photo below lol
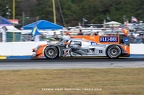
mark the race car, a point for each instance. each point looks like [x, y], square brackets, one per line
[109, 46]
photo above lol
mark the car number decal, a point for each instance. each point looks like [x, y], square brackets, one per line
[66, 52]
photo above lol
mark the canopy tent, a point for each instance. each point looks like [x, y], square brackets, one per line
[113, 24]
[8, 25]
[10, 28]
[9, 33]
[42, 25]
[4, 21]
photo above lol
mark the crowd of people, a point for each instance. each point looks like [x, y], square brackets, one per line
[137, 38]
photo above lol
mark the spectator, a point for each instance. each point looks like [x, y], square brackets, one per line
[80, 32]
[139, 39]
[66, 36]
[94, 34]
[98, 33]
[56, 36]
[143, 38]
[0, 39]
[135, 34]
[117, 33]
[37, 38]
[132, 38]
[102, 32]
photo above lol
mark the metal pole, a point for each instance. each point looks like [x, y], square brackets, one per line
[23, 18]
[13, 17]
[124, 19]
[61, 13]
[54, 13]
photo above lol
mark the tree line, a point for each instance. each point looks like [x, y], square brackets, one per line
[72, 12]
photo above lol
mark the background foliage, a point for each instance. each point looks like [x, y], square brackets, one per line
[72, 11]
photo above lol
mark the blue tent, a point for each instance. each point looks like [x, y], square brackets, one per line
[43, 25]
[4, 21]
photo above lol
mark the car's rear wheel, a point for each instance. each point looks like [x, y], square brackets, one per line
[113, 51]
[51, 52]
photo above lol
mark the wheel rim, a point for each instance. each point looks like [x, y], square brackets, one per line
[51, 53]
[114, 52]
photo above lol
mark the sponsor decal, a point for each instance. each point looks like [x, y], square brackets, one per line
[126, 40]
[93, 43]
[66, 52]
[108, 39]
[91, 37]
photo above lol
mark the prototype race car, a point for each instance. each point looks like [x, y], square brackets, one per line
[109, 46]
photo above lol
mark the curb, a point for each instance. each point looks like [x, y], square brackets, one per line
[18, 57]
[3, 57]
[136, 56]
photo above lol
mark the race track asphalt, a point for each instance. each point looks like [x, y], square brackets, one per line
[70, 63]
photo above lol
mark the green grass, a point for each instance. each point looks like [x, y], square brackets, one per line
[114, 81]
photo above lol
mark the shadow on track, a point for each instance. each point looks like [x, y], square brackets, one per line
[73, 60]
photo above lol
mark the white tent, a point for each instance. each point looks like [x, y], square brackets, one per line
[113, 24]
[10, 28]
[6, 30]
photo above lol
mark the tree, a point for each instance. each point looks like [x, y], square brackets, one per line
[95, 11]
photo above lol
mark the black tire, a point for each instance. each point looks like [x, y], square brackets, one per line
[113, 51]
[51, 52]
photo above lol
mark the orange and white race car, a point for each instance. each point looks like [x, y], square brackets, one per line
[83, 45]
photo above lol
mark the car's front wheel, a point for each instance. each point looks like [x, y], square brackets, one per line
[51, 52]
[113, 51]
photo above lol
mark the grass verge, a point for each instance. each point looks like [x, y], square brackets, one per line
[112, 81]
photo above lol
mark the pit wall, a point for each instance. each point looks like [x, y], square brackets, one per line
[25, 48]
